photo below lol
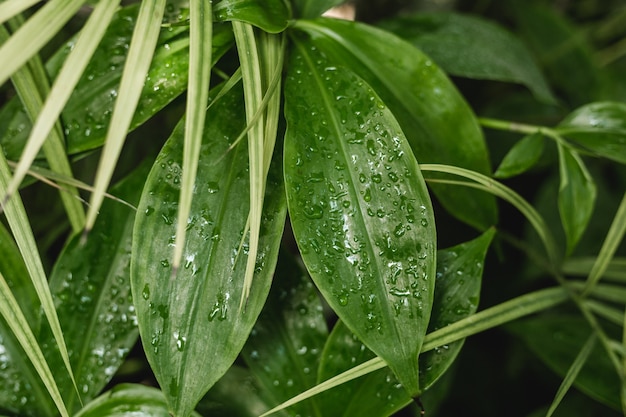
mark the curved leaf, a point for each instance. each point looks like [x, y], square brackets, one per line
[88, 111]
[421, 98]
[522, 156]
[270, 15]
[472, 47]
[599, 128]
[91, 286]
[285, 346]
[128, 400]
[188, 318]
[577, 196]
[310, 9]
[360, 210]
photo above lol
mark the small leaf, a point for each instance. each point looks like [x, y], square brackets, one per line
[577, 196]
[360, 210]
[188, 318]
[292, 323]
[522, 156]
[270, 15]
[421, 98]
[457, 291]
[457, 43]
[599, 128]
[90, 283]
[556, 340]
[128, 400]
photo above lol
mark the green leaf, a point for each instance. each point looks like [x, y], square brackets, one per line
[88, 111]
[310, 9]
[599, 128]
[421, 98]
[360, 210]
[285, 346]
[128, 400]
[457, 291]
[189, 319]
[376, 394]
[556, 340]
[21, 389]
[561, 50]
[577, 196]
[522, 156]
[29, 39]
[270, 15]
[472, 47]
[140, 52]
[91, 286]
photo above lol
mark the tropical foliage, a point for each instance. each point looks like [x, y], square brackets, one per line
[245, 208]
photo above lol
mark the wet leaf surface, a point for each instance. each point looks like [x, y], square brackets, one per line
[189, 319]
[359, 208]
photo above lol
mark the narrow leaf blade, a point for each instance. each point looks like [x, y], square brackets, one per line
[522, 156]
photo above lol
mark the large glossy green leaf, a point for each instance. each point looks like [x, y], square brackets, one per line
[88, 111]
[285, 346]
[599, 128]
[270, 15]
[556, 340]
[577, 195]
[189, 318]
[457, 290]
[436, 120]
[521, 157]
[360, 210]
[91, 286]
[472, 47]
[128, 400]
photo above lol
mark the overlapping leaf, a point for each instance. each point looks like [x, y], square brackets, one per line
[91, 286]
[472, 47]
[270, 15]
[188, 318]
[457, 290]
[285, 346]
[360, 209]
[88, 111]
[310, 9]
[599, 128]
[421, 98]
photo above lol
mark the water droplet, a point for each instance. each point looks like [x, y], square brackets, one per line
[149, 210]
[213, 187]
[367, 197]
[145, 293]
[424, 222]
[377, 178]
[313, 211]
[165, 263]
[371, 147]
